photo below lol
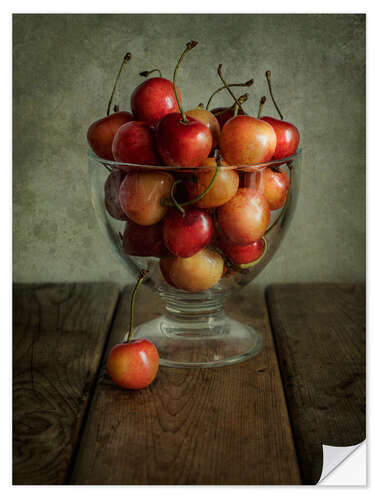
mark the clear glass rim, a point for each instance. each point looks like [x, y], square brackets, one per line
[254, 166]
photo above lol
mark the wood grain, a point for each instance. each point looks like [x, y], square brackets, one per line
[192, 426]
[59, 333]
[320, 338]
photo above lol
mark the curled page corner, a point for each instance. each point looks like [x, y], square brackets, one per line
[334, 456]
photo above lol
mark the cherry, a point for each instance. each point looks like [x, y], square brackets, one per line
[246, 140]
[224, 114]
[245, 217]
[144, 241]
[287, 134]
[164, 268]
[224, 188]
[134, 363]
[287, 137]
[186, 235]
[273, 183]
[101, 133]
[240, 255]
[182, 143]
[182, 140]
[134, 143]
[207, 118]
[193, 274]
[141, 195]
[153, 99]
[111, 193]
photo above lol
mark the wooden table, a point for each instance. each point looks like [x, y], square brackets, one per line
[259, 422]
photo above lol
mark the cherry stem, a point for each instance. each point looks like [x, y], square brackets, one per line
[268, 76]
[148, 73]
[189, 46]
[127, 58]
[261, 104]
[174, 201]
[241, 100]
[116, 109]
[141, 277]
[255, 262]
[228, 88]
[235, 112]
[246, 84]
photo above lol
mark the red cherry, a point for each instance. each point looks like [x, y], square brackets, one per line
[224, 114]
[246, 140]
[165, 268]
[287, 137]
[153, 99]
[111, 193]
[133, 365]
[186, 235]
[144, 241]
[241, 254]
[182, 143]
[134, 143]
[245, 217]
[181, 140]
[101, 133]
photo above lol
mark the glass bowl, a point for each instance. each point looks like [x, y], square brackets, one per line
[194, 329]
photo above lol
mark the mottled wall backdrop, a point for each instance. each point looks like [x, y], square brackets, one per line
[64, 67]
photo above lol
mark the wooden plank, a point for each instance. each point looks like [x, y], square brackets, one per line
[192, 426]
[320, 337]
[59, 333]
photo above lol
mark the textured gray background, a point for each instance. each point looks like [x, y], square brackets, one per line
[64, 66]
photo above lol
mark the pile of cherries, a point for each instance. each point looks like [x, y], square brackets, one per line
[206, 218]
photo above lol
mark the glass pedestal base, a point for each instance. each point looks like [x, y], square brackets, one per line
[209, 342]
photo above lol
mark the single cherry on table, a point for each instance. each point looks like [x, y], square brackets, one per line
[133, 364]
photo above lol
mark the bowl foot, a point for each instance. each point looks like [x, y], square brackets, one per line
[215, 341]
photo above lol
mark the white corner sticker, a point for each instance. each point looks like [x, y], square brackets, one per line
[354, 474]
